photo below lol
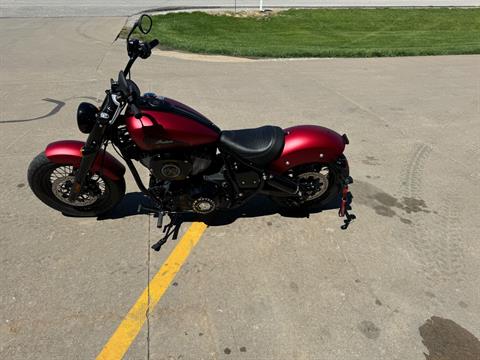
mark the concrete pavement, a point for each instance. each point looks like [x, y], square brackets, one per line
[261, 286]
[56, 8]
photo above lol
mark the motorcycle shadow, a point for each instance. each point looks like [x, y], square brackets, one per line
[133, 204]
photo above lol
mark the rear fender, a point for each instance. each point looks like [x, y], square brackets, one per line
[70, 152]
[307, 144]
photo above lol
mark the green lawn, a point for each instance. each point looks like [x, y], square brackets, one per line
[324, 33]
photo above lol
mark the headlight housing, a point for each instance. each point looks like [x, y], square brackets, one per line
[86, 117]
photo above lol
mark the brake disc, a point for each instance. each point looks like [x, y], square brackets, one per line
[315, 182]
[61, 187]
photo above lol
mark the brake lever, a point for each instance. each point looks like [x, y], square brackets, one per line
[152, 44]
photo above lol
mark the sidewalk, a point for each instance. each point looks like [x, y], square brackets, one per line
[56, 8]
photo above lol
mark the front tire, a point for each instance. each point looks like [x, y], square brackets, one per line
[50, 183]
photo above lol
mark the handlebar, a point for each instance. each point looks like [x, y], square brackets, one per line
[136, 48]
[127, 92]
[153, 43]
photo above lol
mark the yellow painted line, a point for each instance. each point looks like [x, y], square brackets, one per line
[131, 325]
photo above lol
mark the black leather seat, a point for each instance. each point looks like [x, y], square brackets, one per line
[259, 146]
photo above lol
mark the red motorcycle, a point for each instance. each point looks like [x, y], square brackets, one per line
[194, 166]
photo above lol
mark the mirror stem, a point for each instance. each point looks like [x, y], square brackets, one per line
[132, 30]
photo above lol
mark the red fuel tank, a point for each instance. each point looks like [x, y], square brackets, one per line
[169, 124]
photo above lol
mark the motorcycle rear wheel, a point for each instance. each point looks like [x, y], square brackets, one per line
[327, 191]
[50, 182]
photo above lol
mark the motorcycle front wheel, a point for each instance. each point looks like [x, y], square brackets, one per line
[51, 183]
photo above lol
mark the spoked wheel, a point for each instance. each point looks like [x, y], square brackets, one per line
[52, 183]
[318, 183]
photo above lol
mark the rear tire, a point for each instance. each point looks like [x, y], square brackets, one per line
[103, 197]
[322, 201]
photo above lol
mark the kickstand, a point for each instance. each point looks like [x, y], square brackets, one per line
[170, 230]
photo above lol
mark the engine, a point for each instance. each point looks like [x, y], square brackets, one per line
[177, 166]
[187, 182]
[197, 194]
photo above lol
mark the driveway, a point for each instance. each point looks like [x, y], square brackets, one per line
[400, 282]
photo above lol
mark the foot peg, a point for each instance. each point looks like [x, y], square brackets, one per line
[147, 210]
[161, 214]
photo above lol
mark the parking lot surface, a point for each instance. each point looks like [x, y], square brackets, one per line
[400, 282]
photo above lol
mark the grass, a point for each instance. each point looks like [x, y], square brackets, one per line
[323, 33]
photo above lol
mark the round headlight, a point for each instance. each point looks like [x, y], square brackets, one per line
[86, 117]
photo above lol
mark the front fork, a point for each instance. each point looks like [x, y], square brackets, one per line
[109, 112]
[89, 154]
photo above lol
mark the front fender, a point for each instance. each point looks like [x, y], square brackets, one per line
[308, 144]
[70, 152]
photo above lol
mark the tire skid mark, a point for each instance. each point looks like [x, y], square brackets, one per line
[412, 187]
[436, 238]
[58, 106]
[414, 170]
[416, 234]
[446, 251]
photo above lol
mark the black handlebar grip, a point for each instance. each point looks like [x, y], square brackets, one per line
[153, 43]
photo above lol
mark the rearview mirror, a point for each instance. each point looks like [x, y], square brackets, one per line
[145, 24]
